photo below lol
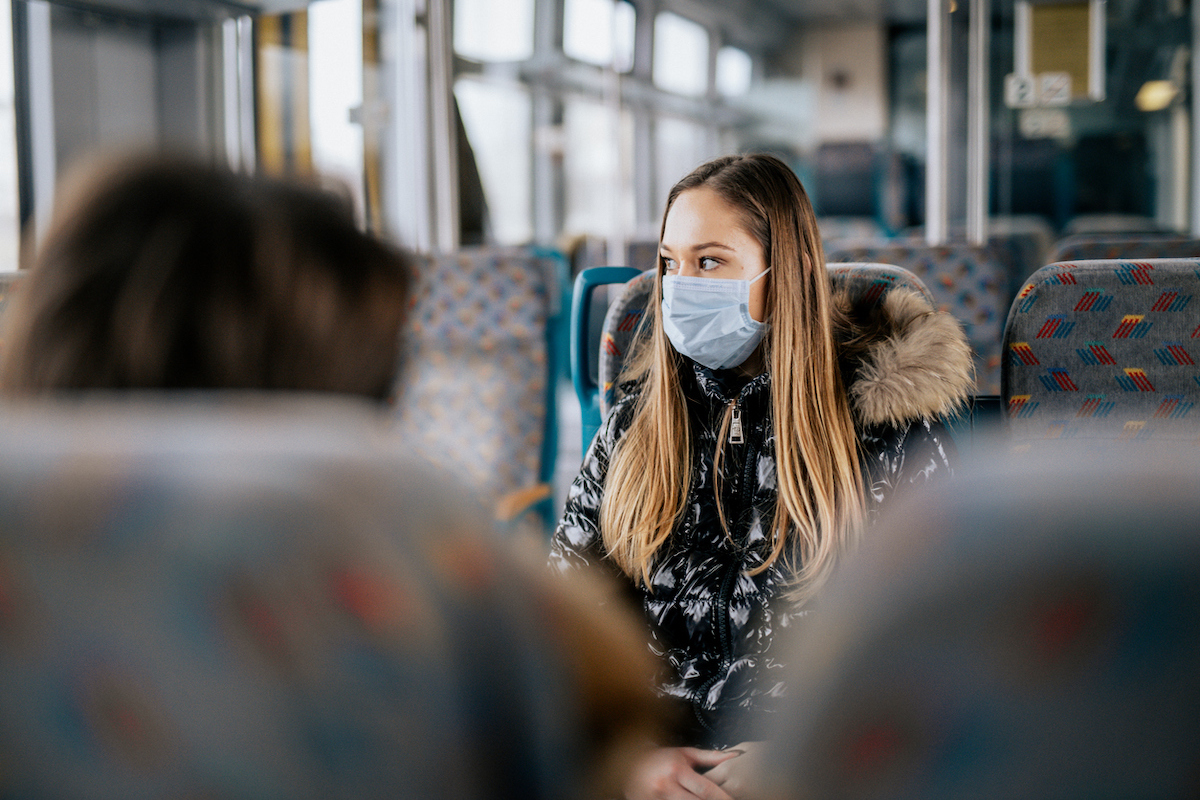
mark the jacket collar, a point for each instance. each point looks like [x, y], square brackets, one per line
[914, 364]
[725, 385]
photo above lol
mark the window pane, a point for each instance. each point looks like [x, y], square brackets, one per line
[680, 55]
[9, 224]
[624, 25]
[600, 32]
[682, 146]
[734, 71]
[599, 190]
[335, 83]
[486, 30]
[497, 121]
[588, 30]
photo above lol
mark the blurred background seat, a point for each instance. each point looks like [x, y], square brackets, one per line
[1104, 350]
[1091, 246]
[1107, 223]
[968, 281]
[487, 347]
[1028, 630]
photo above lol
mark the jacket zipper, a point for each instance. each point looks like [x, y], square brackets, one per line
[723, 601]
[725, 598]
[735, 427]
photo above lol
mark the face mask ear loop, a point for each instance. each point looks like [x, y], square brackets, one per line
[759, 275]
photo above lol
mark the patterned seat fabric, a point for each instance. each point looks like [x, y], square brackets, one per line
[475, 389]
[1105, 349]
[621, 332]
[625, 314]
[967, 281]
[261, 599]
[870, 283]
[1030, 629]
[1089, 247]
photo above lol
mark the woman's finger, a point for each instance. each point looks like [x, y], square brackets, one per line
[707, 758]
[702, 787]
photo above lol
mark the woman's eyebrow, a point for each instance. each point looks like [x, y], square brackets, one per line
[664, 249]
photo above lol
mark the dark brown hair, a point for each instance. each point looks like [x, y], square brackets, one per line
[164, 273]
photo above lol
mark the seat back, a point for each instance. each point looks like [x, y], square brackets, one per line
[1089, 247]
[965, 280]
[587, 329]
[1028, 630]
[854, 228]
[1110, 224]
[1104, 350]
[486, 347]
[251, 598]
[623, 323]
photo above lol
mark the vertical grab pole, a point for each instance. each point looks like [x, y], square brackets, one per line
[978, 122]
[1195, 120]
[937, 122]
[443, 136]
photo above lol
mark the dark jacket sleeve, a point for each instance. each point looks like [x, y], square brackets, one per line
[897, 460]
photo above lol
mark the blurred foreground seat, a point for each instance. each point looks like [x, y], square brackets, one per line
[255, 598]
[1032, 630]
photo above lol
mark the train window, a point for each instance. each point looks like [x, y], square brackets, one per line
[485, 30]
[9, 224]
[680, 55]
[599, 32]
[497, 117]
[734, 71]
[599, 187]
[681, 145]
[336, 91]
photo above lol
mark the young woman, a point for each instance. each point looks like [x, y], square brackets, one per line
[767, 421]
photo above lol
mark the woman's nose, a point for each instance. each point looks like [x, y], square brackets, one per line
[689, 269]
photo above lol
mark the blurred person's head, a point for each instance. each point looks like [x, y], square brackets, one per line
[165, 273]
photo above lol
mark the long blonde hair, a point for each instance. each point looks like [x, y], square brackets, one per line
[819, 503]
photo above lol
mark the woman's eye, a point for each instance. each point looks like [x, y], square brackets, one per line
[669, 264]
[707, 263]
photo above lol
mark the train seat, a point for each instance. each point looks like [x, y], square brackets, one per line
[486, 347]
[1104, 350]
[1030, 629]
[252, 597]
[1090, 246]
[855, 228]
[622, 328]
[968, 281]
[1110, 223]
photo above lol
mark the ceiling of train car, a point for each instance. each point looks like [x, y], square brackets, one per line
[851, 10]
[184, 9]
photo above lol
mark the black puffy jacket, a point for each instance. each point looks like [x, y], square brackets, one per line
[711, 623]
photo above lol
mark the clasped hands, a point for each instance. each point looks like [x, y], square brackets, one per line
[688, 773]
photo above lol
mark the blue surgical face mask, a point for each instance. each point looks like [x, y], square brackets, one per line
[708, 319]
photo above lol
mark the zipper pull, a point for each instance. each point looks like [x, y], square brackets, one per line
[735, 426]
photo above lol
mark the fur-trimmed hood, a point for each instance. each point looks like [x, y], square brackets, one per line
[903, 360]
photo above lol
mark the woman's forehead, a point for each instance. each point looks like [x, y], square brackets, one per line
[702, 216]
